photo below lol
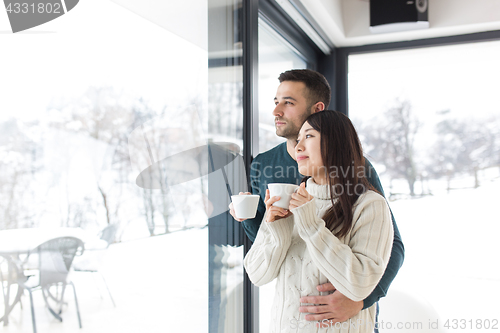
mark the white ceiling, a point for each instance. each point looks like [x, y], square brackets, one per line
[346, 22]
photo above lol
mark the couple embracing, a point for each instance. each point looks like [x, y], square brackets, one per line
[336, 249]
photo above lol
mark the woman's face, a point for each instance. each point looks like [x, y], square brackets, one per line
[308, 154]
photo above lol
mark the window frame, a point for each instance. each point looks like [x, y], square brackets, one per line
[270, 12]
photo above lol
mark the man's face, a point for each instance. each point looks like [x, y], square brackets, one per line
[291, 109]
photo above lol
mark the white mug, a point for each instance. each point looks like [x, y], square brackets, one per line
[245, 206]
[284, 191]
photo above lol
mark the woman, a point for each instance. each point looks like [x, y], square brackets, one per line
[336, 230]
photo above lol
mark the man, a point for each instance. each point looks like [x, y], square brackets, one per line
[301, 93]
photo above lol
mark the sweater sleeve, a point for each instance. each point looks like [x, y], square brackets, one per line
[268, 252]
[355, 268]
[397, 252]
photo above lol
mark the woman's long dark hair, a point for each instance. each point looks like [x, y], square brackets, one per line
[344, 163]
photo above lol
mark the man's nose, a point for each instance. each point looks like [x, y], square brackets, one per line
[278, 112]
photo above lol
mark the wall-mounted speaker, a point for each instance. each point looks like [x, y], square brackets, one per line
[398, 15]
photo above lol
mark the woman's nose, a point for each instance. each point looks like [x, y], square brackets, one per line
[299, 147]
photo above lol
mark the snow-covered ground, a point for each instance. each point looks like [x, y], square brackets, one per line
[452, 248]
[160, 284]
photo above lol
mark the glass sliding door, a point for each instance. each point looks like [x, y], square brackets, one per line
[225, 135]
[429, 121]
[136, 125]
[276, 55]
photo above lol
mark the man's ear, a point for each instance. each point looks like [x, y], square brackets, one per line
[320, 106]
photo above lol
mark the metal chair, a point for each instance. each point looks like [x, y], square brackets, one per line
[91, 260]
[11, 281]
[54, 262]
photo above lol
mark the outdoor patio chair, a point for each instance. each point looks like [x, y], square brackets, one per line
[54, 262]
[11, 281]
[91, 260]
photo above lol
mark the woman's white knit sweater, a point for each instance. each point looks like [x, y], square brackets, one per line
[302, 253]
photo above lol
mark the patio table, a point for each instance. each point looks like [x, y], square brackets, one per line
[16, 242]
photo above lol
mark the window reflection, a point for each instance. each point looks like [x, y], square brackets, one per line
[275, 56]
[225, 128]
[83, 144]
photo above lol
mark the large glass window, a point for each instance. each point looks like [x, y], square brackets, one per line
[120, 114]
[225, 128]
[275, 56]
[429, 121]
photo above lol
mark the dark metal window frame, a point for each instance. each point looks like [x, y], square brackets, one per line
[250, 17]
[273, 15]
[341, 58]
[278, 19]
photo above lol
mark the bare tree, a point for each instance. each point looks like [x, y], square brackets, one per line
[157, 139]
[19, 165]
[465, 146]
[106, 116]
[224, 108]
[101, 113]
[391, 141]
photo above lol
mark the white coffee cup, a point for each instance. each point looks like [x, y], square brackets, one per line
[284, 191]
[245, 206]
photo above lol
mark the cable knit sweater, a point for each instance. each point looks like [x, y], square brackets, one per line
[302, 253]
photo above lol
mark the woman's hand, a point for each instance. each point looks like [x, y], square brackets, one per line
[300, 197]
[273, 212]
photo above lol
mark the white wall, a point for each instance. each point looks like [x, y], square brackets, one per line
[347, 21]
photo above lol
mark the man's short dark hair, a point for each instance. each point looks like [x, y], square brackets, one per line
[318, 89]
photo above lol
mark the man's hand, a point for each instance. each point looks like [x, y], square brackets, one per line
[333, 307]
[231, 208]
